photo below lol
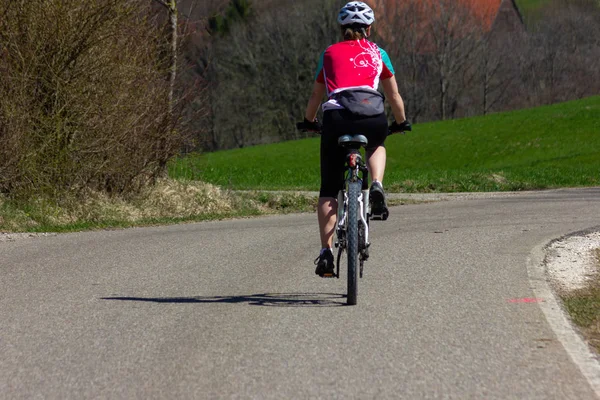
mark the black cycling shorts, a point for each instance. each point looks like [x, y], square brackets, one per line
[337, 123]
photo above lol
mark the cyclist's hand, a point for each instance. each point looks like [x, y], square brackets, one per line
[402, 127]
[309, 126]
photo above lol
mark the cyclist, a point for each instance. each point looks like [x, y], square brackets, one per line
[349, 73]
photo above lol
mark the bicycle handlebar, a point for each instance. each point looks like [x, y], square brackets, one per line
[309, 126]
[401, 128]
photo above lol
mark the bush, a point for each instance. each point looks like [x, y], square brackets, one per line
[83, 97]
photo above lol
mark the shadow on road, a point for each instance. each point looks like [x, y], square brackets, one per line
[265, 299]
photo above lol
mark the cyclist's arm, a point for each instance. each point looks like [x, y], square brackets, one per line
[315, 101]
[390, 88]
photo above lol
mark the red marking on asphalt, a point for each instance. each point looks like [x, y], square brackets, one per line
[526, 300]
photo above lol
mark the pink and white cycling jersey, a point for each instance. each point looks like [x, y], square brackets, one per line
[352, 64]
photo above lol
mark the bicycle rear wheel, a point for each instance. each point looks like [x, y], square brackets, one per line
[354, 189]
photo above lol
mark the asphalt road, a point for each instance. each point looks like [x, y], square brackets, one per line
[233, 309]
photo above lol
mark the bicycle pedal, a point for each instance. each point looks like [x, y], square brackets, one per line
[380, 217]
[331, 275]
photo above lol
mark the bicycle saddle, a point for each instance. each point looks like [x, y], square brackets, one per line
[353, 141]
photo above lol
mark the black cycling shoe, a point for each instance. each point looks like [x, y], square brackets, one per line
[324, 265]
[379, 208]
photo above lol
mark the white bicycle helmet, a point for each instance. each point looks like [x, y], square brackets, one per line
[356, 12]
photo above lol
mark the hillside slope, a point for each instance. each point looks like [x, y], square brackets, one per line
[551, 146]
[532, 10]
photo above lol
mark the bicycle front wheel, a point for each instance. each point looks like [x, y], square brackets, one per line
[354, 190]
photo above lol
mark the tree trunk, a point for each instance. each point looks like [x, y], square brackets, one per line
[172, 5]
[443, 96]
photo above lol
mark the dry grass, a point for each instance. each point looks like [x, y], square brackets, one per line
[584, 307]
[169, 201]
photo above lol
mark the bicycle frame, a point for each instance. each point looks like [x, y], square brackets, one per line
[356, 171]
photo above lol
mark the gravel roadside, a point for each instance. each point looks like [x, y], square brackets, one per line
[571, 261]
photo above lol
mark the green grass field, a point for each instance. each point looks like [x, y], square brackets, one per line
[546, 147]
[532, 10]
[527, 7]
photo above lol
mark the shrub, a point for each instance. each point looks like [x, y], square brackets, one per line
[83, 97]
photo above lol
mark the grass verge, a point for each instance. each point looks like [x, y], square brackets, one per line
[584, 308]
[168, 202]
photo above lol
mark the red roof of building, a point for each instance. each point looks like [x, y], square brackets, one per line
[483, 10]
[461, 17]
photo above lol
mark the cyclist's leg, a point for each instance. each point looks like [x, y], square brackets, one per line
[332, 176]
[327, 211]
[325, 261]
[376, 159]
[376, 129]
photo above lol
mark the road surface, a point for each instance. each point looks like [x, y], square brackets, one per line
[232, 309]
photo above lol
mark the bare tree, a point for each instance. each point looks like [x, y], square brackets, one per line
[263, 77]
[499, 69]
[454, 32]
[448, 63]
[400, 33]
[171, 6]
